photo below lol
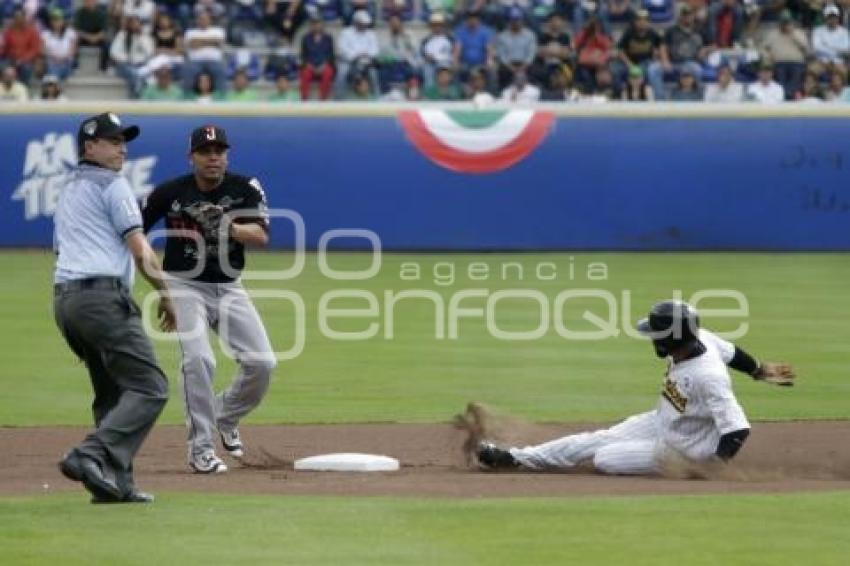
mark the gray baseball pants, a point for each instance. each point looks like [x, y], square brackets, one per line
[102, 325]
[227, 309]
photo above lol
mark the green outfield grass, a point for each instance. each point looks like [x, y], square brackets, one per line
[216, 529]
[799, 309]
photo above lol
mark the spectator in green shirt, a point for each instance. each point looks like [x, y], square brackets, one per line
[164, 89]
[444, 87]
[284, 92]
[241, 91]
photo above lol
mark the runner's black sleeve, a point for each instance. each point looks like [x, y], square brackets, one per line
[743, 362]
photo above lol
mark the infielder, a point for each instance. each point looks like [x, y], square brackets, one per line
[205, 211]
[697, 418]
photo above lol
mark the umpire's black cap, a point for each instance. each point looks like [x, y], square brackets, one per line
[105, 125]
[208, 135]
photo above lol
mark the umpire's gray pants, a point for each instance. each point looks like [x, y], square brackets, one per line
[103, 328]
[227, 309]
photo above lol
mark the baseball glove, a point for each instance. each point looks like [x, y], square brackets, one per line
[207, 216]
[776, 373]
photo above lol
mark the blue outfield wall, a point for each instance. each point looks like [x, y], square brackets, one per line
[606, 181]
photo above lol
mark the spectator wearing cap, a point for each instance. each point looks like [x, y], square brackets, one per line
[21, 45]
[131, 49]
[687, 88]
[638, 46]
[51, 89]
[554, 50]
[358, 50]
[444, 87]
[241, 90]
[60, 45]
[788, 48]
[317, 60]
[831, 41]
[636, 89]
[516, 47]
[91, 26]
[11, 89]
[399, 58]
[284, 16]
[436, 48]
[163, 89]
[474, 47]
[765, 89]
[683, 48]
[204, 52]
[726, 89]
[520, 91]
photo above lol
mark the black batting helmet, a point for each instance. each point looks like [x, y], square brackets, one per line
[671, 325]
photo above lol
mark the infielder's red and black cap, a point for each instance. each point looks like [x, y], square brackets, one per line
[208, 135]
[106, 125]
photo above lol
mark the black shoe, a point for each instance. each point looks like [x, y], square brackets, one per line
[79, 467]
[131, 497]
[70, 466]
[494, 458]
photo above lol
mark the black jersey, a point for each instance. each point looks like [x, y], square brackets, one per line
[168, 200]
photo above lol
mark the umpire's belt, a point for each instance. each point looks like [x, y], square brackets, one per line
[88, 284]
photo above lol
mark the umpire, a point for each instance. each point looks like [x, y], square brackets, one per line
[98, 237]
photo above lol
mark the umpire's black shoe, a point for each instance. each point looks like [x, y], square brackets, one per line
[130, 497]
[492, 457]
[78, 467]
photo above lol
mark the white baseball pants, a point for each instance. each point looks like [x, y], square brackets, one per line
[632, 447]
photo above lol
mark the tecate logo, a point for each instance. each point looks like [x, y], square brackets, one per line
[48, 164]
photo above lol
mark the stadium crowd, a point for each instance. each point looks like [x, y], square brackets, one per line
[485, 50]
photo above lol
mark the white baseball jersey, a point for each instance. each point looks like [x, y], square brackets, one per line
[697, 405]
[696, 408]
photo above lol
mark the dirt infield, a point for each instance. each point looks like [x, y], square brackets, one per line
[779, 457]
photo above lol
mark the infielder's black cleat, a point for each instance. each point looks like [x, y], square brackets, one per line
[492, 457]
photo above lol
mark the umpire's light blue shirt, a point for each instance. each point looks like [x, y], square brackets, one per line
[96, 212]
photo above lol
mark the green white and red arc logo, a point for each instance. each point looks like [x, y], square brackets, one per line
[476, 141]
